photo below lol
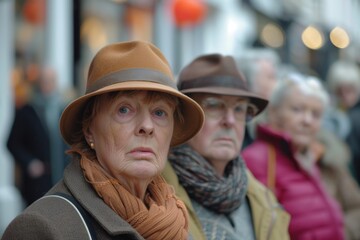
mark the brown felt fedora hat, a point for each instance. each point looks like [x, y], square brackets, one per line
[133, 65]
[217, 74]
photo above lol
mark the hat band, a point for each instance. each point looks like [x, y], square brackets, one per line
[138, 74]
[214, 81]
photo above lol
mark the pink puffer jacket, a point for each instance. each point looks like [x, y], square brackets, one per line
[314, 214]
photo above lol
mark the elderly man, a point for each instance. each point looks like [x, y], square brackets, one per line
[224, 200]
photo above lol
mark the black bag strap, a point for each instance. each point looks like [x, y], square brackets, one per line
[80, 210]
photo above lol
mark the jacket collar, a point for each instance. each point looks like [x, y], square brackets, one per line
[278, 139]
[282, 143]
[266, 133]
[89, 200]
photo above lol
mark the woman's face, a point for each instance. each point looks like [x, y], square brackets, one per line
[132, 134]
[299, 115]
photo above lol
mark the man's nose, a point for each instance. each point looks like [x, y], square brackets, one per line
[229, 118]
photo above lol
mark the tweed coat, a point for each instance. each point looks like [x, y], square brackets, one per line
[54, 218]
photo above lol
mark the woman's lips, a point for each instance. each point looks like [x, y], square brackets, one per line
[142, 152]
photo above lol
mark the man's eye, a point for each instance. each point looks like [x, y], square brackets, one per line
[240, 108]
[213, 104]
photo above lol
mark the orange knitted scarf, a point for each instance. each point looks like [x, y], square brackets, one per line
[164, 218]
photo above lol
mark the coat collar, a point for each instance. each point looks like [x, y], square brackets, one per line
[279, 140]
[94, 205]
[282, 143]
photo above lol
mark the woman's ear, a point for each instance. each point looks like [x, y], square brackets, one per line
[271, 115]
[88, 135]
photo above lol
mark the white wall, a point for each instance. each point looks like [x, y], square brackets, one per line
[59, 40]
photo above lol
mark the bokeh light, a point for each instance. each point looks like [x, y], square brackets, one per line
[93, 32]
[272, 35]
[339, 37]
[312, 37]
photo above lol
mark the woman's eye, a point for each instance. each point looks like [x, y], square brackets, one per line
[160, 113]
[124, 110]
[316, 114]
[296, 109]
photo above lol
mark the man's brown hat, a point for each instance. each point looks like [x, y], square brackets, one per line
[217, 74]
[133, 65]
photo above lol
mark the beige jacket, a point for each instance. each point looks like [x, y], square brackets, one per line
[269, 219]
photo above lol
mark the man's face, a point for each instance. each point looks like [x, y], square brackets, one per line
[220, 139]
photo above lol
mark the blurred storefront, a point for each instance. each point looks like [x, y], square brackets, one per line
[309, 34]
[65, 34]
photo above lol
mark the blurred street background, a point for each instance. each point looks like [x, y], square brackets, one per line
[46, 47]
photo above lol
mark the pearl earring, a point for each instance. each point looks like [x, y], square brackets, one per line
[91, 145]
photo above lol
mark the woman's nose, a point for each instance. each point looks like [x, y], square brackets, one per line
[308, 118]
[146, 125]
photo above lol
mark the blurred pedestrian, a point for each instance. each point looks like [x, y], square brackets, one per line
[282, 158]
[344, 83]
[225, 197]
[260, 67]
[120, 132]
[333, 156]
[28, 143]
[48, 103]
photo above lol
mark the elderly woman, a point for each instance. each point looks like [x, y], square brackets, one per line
[283, 157]
[120, 132]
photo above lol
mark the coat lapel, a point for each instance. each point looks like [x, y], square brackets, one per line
[92, 203]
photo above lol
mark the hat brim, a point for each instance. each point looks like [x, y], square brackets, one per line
[70, 121]
[259, 102]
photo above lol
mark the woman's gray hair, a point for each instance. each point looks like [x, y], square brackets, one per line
[309, 85]
[343, 72]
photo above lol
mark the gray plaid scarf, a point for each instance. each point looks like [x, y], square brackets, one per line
[219, 194]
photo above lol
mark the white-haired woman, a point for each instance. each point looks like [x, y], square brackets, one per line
[283, 158]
